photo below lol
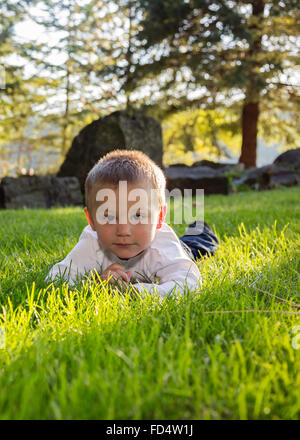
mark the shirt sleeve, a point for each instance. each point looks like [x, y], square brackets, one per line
[175, 273]
[83, 258]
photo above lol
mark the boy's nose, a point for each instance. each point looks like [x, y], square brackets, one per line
[123, 229]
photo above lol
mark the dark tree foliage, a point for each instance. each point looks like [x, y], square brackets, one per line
[232, 50]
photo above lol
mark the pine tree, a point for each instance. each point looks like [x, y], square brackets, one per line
[18, 96]
[119, 51]
[217, 53]
[69, 23]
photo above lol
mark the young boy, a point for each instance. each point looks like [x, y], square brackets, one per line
[127, 239]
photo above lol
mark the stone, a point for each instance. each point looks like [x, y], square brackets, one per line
[268, 177]
[255, 177]
[235, 168]
[39, 192]
[283, 176]
[210, 164]
[121, 130]
[193, 178]
[289, 159]
[175, 165]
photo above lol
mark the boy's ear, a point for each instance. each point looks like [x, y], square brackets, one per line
[89, 219]
[161, 216]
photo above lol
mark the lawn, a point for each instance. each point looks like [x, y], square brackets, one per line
[228, 351]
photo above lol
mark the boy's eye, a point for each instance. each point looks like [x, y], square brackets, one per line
[109, 217]
[138, 216]
[104, 217]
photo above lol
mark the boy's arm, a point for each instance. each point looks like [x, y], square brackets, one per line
[174, 276]
[82, 259]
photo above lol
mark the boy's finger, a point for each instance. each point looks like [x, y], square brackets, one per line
[115, 266]
[110, 274]
[111, 277]
[122, 274]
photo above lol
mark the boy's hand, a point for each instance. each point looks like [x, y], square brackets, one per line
[115, 272]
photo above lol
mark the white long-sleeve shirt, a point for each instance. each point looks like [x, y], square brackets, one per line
[164, 260]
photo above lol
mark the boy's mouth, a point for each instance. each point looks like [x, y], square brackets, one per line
[123, 244]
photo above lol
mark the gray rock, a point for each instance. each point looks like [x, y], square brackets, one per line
[191, 172]
[235, 169]
[283, 176]
[268, 177]
[289, 159]
[118, 130]
[184, 177]
[210, 164]
[39, 192]
[255, 177]
[175, 165]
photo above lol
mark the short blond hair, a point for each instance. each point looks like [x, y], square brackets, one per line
[132, 166]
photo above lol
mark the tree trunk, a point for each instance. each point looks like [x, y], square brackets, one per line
[65, 124]
[249, 133]
[251, 105]
[128, 58]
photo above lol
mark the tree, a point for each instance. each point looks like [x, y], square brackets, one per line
[81, 72]
[18, 97]
[72, 102]
[119, 51]
[217, 53]
[95, 39]
[195, 134]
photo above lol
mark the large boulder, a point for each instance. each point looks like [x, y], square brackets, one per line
[289, 159]
[39, 192]
[283, 176]
[185, 177]
[119, 130]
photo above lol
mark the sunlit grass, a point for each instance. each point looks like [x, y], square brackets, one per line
[88, 352]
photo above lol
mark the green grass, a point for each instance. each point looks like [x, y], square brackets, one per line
[85, 354]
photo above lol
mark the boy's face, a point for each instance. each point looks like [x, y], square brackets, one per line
[125, 218]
